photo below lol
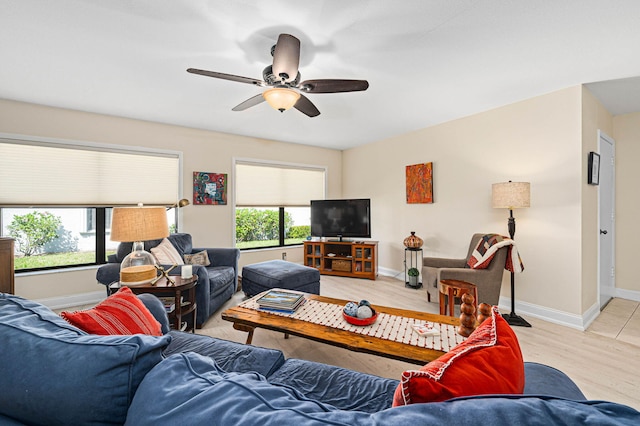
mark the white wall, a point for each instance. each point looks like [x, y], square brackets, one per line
[544, 140]
[538, 140]
[205, 151]
[627, 136]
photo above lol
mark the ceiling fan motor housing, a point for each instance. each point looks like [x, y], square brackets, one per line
[273, 80]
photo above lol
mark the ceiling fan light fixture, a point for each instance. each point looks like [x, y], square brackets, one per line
[281, 98]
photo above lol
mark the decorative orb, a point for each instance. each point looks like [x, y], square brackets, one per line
[364, 303]
[364, 312]
[467, 298]
[351, 309]
[413, 241]
[467, 309]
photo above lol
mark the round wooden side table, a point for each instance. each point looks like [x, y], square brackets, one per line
[182, 315]
[453, 289]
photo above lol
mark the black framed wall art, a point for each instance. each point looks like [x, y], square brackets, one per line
[594, 169]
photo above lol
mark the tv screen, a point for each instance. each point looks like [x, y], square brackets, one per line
[341, 218]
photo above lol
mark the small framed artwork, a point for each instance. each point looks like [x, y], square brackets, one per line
[419, 183]
[209, 188]
[594, 169]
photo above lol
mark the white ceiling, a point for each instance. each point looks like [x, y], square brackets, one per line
[427, 61]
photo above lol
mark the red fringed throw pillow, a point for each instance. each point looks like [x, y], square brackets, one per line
[488, 362]
[121, 313]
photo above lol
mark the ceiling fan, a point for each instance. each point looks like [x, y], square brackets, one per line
[283, 81]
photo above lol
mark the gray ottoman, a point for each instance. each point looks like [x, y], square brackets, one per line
[262, 276]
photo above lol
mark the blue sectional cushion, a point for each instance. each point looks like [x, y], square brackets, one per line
[53, 373]
[229, 356]
[190, 389]
[344, 389]
[541, 379]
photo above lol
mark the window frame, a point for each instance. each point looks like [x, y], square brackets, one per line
[100, 239]
[281, 208]
[102, 229]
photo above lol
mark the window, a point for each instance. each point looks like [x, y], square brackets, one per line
[91, 219]
[56, 197]
[272, 203]
[47, 238]
[51, 238]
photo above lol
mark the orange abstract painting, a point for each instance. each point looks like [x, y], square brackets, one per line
[420, 183]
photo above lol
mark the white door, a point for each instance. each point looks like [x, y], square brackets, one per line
[606, 219]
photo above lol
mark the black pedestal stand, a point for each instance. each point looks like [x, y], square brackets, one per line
[512, 318]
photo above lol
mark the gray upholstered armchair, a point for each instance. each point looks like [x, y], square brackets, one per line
[487, 280]
[216, 282]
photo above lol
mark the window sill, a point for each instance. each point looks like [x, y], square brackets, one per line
[56, 271]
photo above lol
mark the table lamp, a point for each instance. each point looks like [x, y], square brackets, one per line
[512, 195]
[138, 224]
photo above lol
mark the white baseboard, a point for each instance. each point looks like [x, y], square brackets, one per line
[524, 309]
[627, 294]
[62, 302]
[391, 273]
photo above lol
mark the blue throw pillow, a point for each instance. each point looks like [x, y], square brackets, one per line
[53, 373]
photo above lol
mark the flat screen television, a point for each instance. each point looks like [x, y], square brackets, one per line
[341, 218]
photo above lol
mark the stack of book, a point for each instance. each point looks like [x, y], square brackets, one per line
[169, 303]
[281, 301]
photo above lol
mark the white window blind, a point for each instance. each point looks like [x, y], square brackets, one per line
[43, 173]
[274, 185]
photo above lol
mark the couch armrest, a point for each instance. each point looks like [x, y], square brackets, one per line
[437, 262]
[157, 309]
[108, 273]
[462, 274]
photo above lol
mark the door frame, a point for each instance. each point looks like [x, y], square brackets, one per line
[603, 136]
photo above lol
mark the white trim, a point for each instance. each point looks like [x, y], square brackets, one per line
[627, 294]
[62, 302]
[578, 322]
[99, 145]
[387, 272]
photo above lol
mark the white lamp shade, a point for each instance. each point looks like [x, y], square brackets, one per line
[281, 98]
[510, 195]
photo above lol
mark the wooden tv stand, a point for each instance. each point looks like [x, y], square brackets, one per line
[343, 258]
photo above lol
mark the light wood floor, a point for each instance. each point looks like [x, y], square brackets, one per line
[619, 320]
[603, 367]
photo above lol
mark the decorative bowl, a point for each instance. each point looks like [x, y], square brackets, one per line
[361, 321]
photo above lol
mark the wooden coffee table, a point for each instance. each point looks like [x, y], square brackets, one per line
[246, 319]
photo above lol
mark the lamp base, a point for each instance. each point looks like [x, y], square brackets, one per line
[515, 320]
[137, 275]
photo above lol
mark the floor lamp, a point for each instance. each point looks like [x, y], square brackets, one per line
[512, 195]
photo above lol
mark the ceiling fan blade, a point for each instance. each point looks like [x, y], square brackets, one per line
[333, 86]
[253, 101]
[305, 106]
[286, 57]
[230, 77]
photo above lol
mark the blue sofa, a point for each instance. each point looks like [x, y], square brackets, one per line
[55, 374]
[216, 282]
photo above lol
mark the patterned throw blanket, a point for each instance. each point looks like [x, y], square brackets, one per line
[488, 246]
